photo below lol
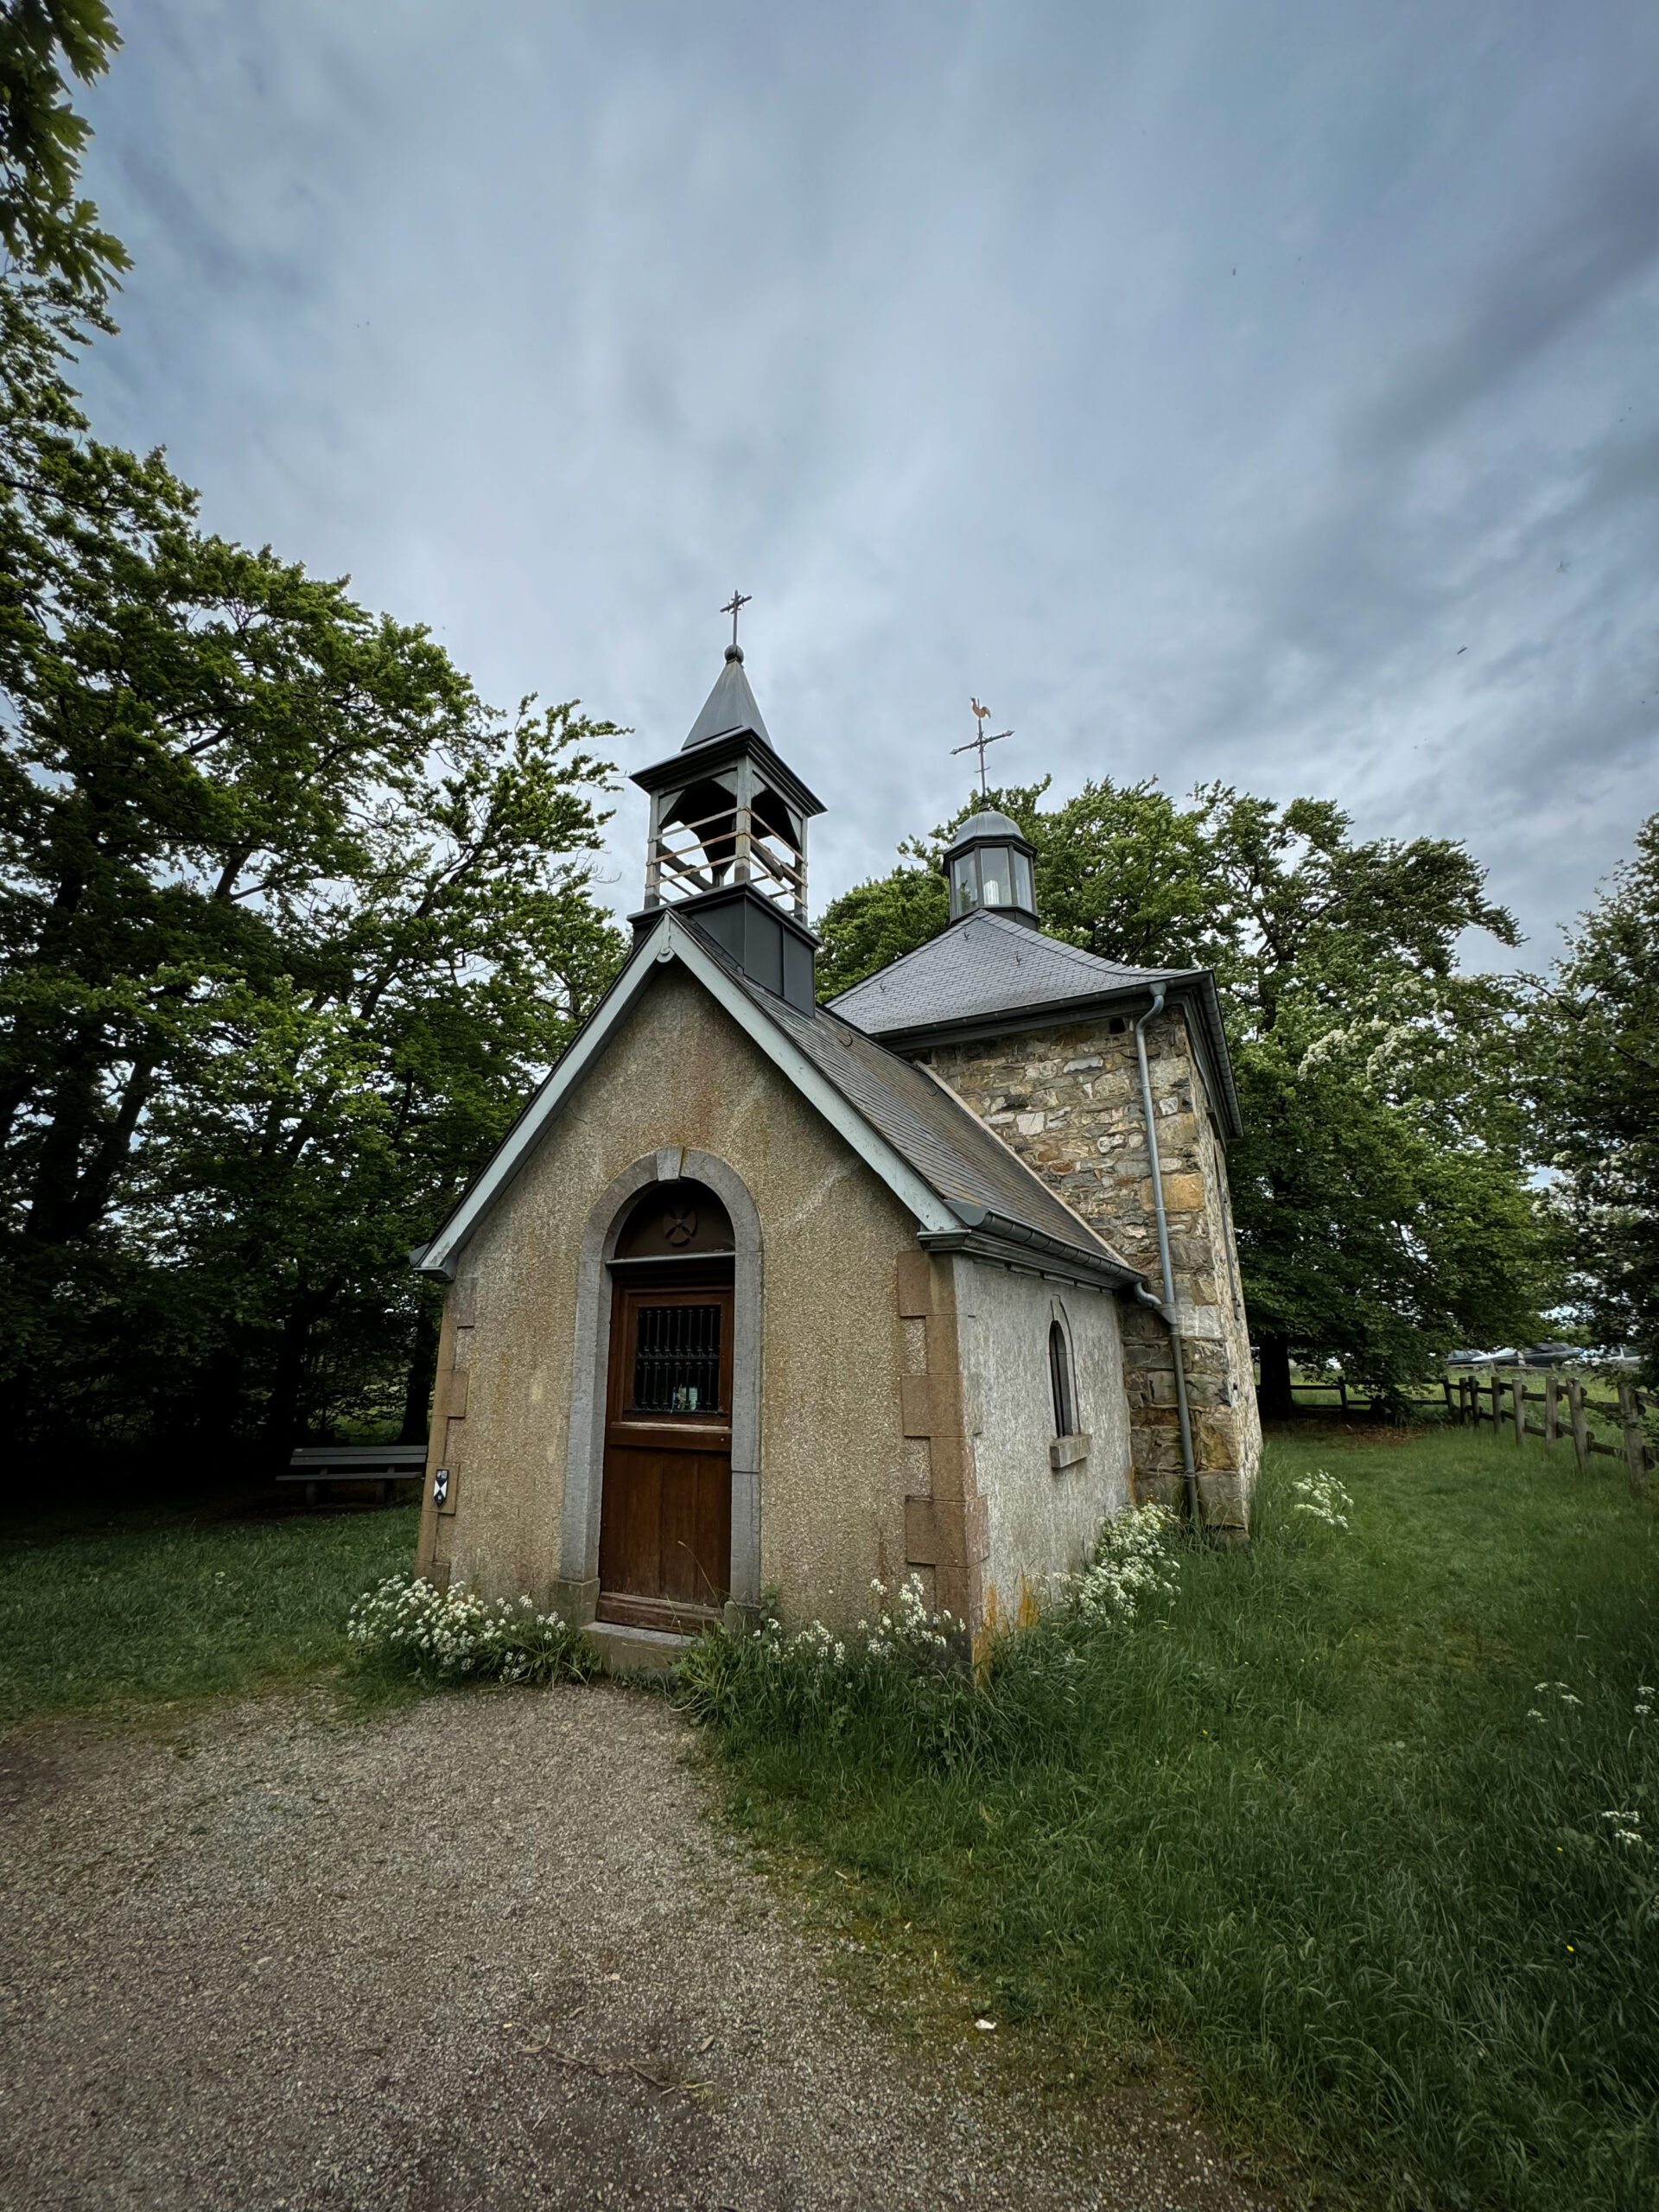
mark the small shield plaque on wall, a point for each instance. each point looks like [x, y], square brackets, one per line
[441, 1488]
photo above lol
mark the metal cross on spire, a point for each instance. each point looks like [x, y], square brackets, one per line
[978, 742]
[734, 606]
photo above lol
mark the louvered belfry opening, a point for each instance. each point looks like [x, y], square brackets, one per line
[676, 1360]
[725, 811]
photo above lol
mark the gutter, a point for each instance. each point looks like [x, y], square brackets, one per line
[1166, 1307]
[992, 1235]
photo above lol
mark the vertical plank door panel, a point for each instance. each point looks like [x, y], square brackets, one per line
[665, 1517]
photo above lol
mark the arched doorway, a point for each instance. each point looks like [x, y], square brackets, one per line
[665, 1510]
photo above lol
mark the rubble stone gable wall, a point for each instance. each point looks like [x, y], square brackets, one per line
[1068, 1101]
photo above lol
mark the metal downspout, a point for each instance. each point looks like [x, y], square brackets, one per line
[1166, 1307]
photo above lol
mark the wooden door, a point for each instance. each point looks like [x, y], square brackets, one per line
[665, 1517]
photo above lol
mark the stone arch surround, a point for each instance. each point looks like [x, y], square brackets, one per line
[577, 1591]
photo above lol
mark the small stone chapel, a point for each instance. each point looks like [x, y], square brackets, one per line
[762, 1295]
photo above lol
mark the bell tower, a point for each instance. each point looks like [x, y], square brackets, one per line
[727, 845]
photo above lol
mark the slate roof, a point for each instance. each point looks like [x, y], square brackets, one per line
[986, 965]
[972, 1178]
[959, 1159]
[730, 706]
[991, 968]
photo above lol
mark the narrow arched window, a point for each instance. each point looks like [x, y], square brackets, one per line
[1059, 1376]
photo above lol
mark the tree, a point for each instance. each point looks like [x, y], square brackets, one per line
[879, 921]
[287, 926]
[1120, 870]
[289, 920]
[1379, 1189]
[45, 228]
[1593, 1042]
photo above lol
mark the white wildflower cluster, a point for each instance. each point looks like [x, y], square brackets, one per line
[910, 1626]
[1132, 1560]
[1627, 1829]
[1643, 1700]
[1558, 1690]
[1322, 1495]
[910, 1629]
[453, 1632]
[815, 1642]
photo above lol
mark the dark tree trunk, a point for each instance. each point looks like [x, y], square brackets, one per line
[219, 1400]
[72, 1113]
[283, 1407]
[423, 1372]
[287, 1379]
[1274, 1397]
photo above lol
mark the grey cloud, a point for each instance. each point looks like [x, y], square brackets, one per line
[922, 325]
[1553, 276]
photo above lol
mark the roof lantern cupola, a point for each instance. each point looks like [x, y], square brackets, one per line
[988, 863]
[726, 842]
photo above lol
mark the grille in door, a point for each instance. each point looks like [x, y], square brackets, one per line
[676, 1360]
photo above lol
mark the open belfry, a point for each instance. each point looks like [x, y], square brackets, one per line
[765, 1299]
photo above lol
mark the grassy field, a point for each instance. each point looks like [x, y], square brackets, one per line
[1337, 1828]
[100, 1607]
[1336, 1825]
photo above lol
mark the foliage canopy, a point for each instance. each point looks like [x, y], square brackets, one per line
[1594, 1061]
[1379, 1189]
[290, 918]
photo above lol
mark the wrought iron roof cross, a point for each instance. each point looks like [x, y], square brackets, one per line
[734, 606]
[978, 742]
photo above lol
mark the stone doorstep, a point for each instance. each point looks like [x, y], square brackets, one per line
[636, 1651]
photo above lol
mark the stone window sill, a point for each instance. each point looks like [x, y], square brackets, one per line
[1067, 1451]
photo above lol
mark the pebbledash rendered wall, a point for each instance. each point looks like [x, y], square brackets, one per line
[1067, 1099]
[680, 1073]
[1042, 1517]
[905, 1406]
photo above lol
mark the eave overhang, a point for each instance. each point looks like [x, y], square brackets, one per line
[1014, 1244]
[708, 759]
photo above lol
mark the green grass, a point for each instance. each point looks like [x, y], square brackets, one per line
[157, 1605]
[1307, 1834]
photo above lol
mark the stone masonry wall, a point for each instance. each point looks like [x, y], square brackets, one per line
[1068, 1101]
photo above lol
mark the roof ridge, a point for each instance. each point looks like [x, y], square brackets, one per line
[1064, 944]
[1078, 956]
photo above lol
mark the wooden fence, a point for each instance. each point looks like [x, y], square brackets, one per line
[1470, 1399]
[1624, 1413]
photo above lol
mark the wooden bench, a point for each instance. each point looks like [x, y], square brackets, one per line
[380, 1464]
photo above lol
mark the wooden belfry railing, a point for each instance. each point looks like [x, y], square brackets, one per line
[699, 863]
[733, 843]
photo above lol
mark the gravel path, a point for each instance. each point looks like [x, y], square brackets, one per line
[491, 1952]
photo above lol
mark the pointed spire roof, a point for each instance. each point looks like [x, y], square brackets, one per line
[730, 706]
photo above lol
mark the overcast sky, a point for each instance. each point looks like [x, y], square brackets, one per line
[1262, 392]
